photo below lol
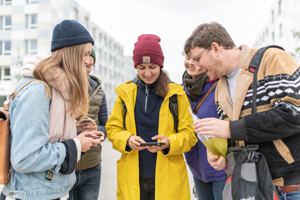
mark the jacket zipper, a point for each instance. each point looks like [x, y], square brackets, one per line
[146, 100]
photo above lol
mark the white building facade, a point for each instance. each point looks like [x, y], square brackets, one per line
[283, 22]
[26, 30]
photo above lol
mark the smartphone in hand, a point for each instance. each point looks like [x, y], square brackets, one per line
[86, 120]
[152, 144]
[101, 138]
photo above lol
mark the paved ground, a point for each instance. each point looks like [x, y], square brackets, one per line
[108, 185]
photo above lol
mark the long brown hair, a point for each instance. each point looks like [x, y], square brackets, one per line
[68, 64]
[161, 87]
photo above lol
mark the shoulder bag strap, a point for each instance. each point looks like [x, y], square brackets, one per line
[255, 63]
[207, 93]
[94, 93]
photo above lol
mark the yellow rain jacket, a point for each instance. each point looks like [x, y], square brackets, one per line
[171, 179]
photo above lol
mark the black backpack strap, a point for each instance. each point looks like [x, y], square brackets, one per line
[173, 106]
[255, 63]
[124, 114]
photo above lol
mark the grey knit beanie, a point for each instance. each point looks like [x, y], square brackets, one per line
[69, 33]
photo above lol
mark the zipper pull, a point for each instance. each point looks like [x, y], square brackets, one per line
[146, 100]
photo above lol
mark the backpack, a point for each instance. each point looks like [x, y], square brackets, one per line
[173, 106]
[5, 136]
[248, 175]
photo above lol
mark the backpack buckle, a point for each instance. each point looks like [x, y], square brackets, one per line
[252, 152]
[252, 147]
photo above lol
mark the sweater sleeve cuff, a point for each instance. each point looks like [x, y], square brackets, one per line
[238, 130]
[69, 164]
[127, 148]
[78, 147]
[165, 151]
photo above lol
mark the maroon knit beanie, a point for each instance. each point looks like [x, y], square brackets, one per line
[147, 50]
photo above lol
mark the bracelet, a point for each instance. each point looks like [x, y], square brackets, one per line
[78, 147]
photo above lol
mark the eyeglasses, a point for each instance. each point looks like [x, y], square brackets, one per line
[90, 66]
[196, 57]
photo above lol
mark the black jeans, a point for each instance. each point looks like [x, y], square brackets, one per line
[147, 188]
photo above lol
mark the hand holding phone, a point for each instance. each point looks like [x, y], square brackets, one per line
[158, 146]
[152, 144]
[101, 138]
[97, 135]
[86, 125]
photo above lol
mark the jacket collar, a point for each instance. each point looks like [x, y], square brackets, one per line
[244, 80]
[128, 90]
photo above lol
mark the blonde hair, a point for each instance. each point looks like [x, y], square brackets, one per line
[68, 64]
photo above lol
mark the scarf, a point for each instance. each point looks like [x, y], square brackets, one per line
[194, 86]
[62, 125]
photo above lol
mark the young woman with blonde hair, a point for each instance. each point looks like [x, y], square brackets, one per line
[45, 147]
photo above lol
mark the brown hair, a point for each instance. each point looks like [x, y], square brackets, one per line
[69, 60]
[205, 34]
[161, 89]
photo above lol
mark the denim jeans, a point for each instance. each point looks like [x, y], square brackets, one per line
[289, 196]
[87, 184]
[3, 197]
[209, 191]
[147, 188]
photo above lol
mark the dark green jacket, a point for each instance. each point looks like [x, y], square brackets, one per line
[98, 113]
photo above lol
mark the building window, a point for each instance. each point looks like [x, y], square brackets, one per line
[5, 23]
[32, 1]
[76, 13]
[280, 30]
[87, 20]
[279, 7]
[2, 99]
[4, 73]
[5, 48]
[31, 21]
[105, 56]
[100, 37]
[31, 47]
[6, 2]
[94, 33]
[100, 54]
[105, 41]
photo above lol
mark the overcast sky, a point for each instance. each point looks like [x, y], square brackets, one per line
[174, 20]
